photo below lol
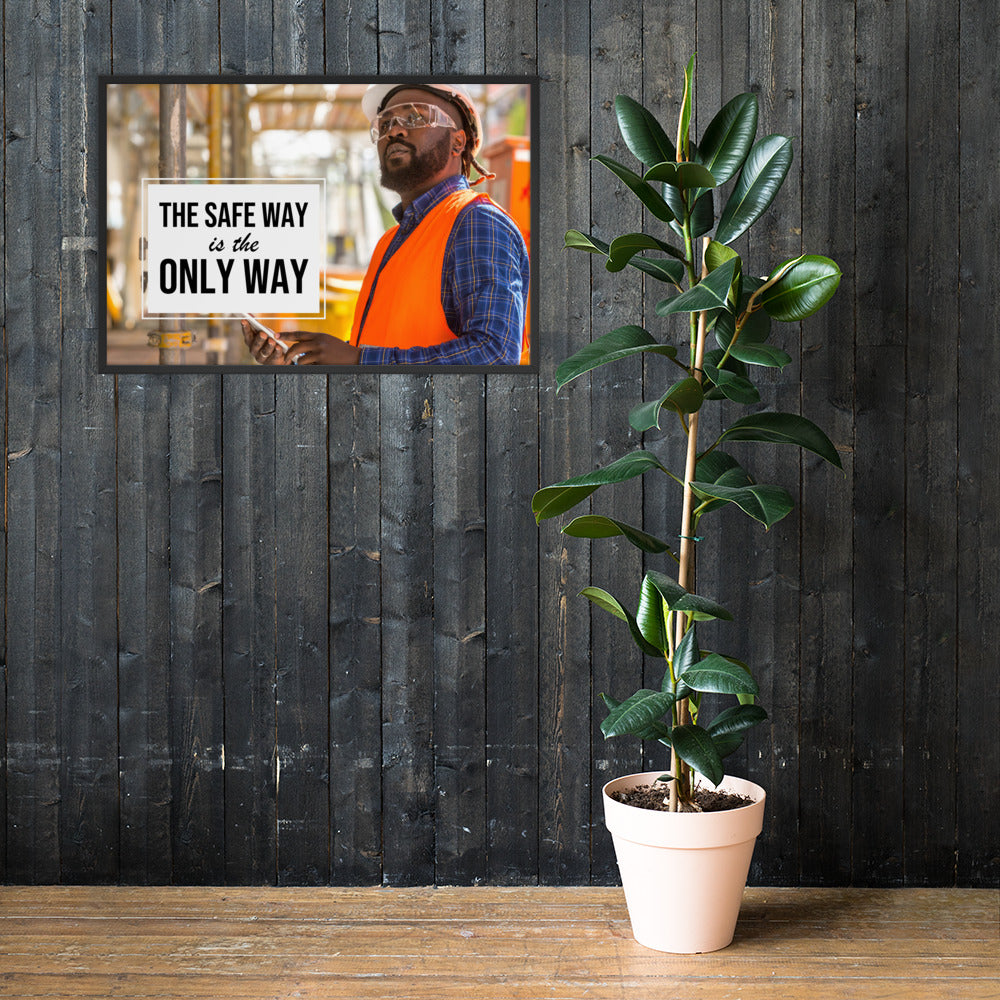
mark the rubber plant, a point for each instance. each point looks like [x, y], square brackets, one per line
[708, 293]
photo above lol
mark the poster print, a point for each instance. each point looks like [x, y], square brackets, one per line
[282, 225]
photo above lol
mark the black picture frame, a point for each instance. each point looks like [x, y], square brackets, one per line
[132, 142]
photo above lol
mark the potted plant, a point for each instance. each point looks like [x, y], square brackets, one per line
[689, 901]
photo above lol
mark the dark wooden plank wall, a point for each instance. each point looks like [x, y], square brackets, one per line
[304, 630]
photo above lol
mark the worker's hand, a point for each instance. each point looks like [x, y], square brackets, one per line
[319, 349]
[262, 348]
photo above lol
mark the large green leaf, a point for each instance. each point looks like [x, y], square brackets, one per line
[576, 240]
[685, 656]
[783, 428]
[719, 468]
[642, 133]
[596, 526]
[560, 497]
[767, 504]
[728, 138]
[613, 606]
[646, 194]
[623, 248]
[671, 271]
[624, 342]
[766, 355]
[703, 214]
[716, 254]
[685, 396]
[679, 599]
[651, 617]
[736, 719]
[712, 292]
[717, 675]
[681, 175]
[803, 289]
[636, 714]
[756, 329]
[694, 745]
[762, 175]
[735, 387]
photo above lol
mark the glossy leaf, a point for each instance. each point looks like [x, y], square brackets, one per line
[765, 355]
[624, 342]
[679, 599]
[736, 719]
[681, 175]
[783, 428]
[727, 743]
[671, 271]
[762, 175]
[756, 329]
[636, 714]
[608, 603]
[576, 240]
[716, 254]
[804, 289]
[703, 215]
[729, 136]
[642, 133]
[646, 194]
[719, 468]
[623, 248]
[685, 396]
[560, 497]
[732, 386]
[694, 746]
[686, 656]
[767, 504]
[712, 292]
[717, 675]
[595, 526]
[651, 617]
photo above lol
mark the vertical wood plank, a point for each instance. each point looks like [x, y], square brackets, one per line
[249, 546]
[407, 413]
[511, 471]
[773, 597]
[828, 381]
[303, 547]
[3, 487]
[87, 564]
[355, 557]
[459, 474]
[145, 761]
[32, 120]
[931, 451]
[978, 702]
[880, 438]
[616, 299]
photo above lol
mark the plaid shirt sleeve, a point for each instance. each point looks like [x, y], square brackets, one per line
[484, 295]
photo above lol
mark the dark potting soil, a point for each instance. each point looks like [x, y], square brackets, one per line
[657, 797]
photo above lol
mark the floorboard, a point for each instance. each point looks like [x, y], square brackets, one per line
[490, 943]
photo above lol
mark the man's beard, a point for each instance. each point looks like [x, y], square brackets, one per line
[419, 168]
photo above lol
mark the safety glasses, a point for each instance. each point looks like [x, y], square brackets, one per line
[410, 116]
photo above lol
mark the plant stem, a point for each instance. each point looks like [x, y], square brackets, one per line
[686, 562]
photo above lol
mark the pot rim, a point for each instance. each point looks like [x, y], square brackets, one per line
[649, 777]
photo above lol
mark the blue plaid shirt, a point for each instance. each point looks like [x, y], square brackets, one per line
[484, 285]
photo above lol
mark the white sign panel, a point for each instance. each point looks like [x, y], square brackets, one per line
[230, 248]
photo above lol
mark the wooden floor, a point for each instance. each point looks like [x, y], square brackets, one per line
[487, 944]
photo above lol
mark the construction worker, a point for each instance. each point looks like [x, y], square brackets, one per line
[449, 283]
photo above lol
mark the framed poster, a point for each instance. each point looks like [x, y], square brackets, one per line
[314, 224]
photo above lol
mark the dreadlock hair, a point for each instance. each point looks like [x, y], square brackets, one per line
[469, 161]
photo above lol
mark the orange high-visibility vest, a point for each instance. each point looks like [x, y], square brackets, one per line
[405, 309]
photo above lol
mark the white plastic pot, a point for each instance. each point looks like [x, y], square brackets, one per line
[684, 873]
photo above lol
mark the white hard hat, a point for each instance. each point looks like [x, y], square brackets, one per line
[374, 97]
